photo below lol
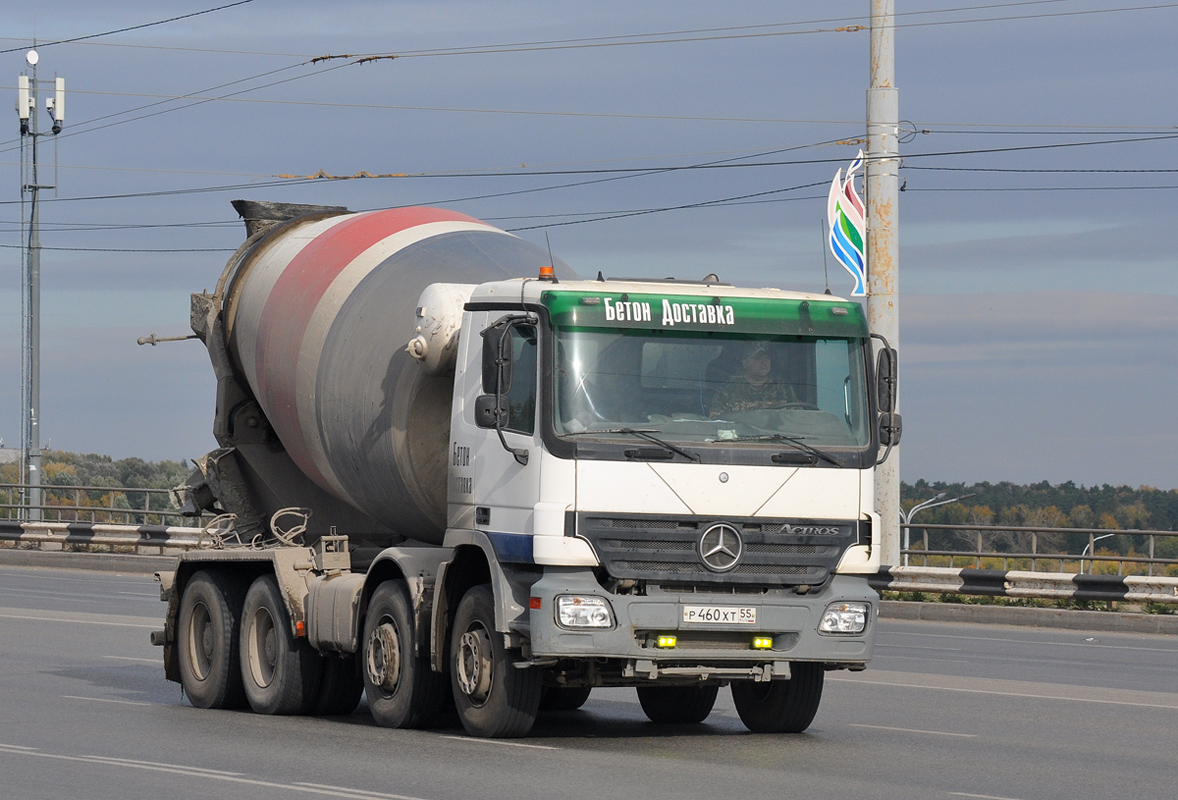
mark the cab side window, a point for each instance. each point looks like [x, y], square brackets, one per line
[521, 396]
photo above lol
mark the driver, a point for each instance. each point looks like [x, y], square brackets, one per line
[753, 385]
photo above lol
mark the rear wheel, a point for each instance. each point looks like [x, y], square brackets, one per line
[207, 633]
[493, 697]
[402, 690]
[564, 698]
[280, 672]
[780, 706]
[677, 704]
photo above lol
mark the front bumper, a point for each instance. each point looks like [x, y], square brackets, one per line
[790, 619]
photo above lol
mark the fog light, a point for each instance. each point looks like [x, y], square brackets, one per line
[573, 611]
[762, 642]
[844, 618]
[666, 640]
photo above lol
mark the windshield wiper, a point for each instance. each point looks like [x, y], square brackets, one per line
[793, 441]
[644, 434]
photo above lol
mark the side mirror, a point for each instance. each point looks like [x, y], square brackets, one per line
[488, 413]
[886, 379]
[891, 426]
[496, 360]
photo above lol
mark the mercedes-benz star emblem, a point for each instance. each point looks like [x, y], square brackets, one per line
[720, 547]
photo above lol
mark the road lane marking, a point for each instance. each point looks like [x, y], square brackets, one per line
[497, 741]
[139, 660]
[982, 796]
[163, 764]
[200, 772]
[105, 700]
[16, 747]
[1041, 641]
[912, 730]
[927, 658]
[79, 619]
[1027, 689]
[358, 792]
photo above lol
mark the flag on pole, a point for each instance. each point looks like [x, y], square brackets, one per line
[848, 230]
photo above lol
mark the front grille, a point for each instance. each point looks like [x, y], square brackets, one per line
[775, 552]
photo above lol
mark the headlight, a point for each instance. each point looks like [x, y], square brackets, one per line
[844, 618]
[574, 611]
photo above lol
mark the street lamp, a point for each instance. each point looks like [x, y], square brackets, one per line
[1092, 544]
[932, 502]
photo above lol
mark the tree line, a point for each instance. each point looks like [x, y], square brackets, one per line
[1043, 504]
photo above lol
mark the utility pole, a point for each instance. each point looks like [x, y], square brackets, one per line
[27, 101]
[882, 184]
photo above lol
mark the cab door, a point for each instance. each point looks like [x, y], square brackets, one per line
[503, 424]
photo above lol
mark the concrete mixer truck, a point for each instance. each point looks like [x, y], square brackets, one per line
[455, 477]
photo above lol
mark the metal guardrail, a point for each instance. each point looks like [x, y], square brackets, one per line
[99, 504]
[1070, 550]
[1026, 584]
[1148, 588]
[143, 539]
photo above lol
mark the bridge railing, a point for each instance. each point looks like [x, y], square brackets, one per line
[103, 537]
[96, 504]
[1150, 553]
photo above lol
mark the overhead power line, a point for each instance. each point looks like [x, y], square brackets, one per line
[132, 27]
[81, 127]
[1038, 188]
[1039, 170]
[583, 39]
[701, 204]
[748, 32]
[610, 173]
[129, 249]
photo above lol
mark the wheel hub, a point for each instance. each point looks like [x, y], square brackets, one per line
[384, 657]
[262, 651]
[473, 665]
[201, 642]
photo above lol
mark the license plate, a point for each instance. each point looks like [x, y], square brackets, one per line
[720, 615]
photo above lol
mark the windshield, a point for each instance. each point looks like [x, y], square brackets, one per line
[707, 386]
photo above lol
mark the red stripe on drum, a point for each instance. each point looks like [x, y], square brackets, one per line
[293, 299]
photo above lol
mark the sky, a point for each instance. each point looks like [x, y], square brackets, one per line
[1037, 275]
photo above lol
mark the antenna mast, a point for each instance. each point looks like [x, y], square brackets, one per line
[29, 91]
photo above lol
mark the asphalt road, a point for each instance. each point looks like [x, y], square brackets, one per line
[946, 711]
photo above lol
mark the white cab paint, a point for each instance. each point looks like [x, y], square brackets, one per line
[687, 488]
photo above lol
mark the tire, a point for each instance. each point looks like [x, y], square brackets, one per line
[280, 673]
[780, 706]
[494, 699]
[563, 698]
[340, 687]
[207, 634]
[677, 704]
[402, 690]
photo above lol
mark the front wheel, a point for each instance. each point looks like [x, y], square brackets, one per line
[677, 704]
[780, 706]
[493, 697]
[280, 673]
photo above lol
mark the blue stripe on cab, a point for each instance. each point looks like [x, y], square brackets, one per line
[512, 548]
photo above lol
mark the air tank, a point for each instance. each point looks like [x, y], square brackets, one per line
[317, 313]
